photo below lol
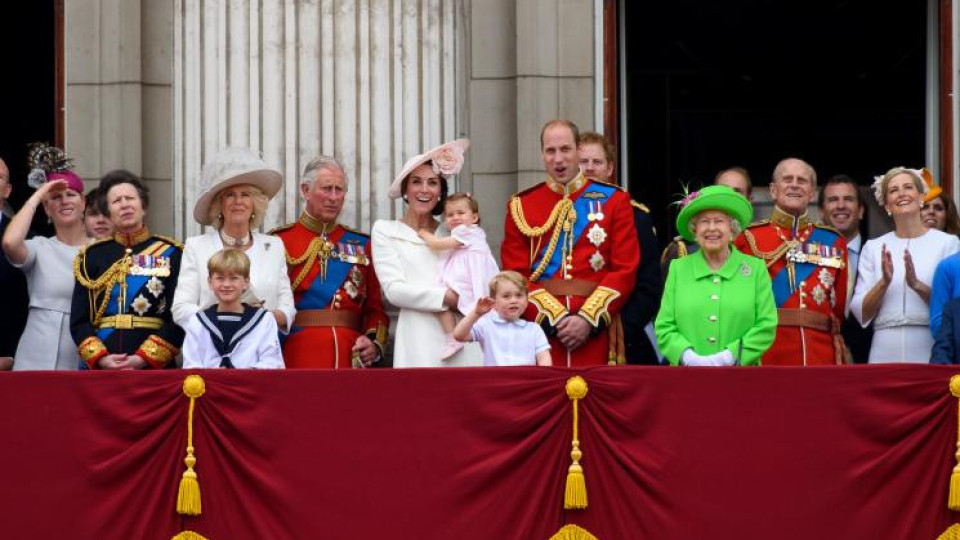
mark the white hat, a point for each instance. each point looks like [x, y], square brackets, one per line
[447, 160]
[232, 167]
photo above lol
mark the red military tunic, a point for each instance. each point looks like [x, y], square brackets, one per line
[336, 292]
[808, 270]
[578, 247]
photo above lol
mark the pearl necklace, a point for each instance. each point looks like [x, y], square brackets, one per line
[238, 243]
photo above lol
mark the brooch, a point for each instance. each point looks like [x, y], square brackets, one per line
[745, 270]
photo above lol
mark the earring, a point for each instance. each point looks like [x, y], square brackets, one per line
[220, 216]
[253, 216]
[889, 213]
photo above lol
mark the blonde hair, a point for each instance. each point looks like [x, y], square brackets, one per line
[260, 203]
[227, 261]
[508, 276]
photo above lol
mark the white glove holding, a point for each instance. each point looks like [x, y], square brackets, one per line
[722, 358]
[690, 358]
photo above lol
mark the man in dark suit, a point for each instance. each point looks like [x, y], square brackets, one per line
[13, 316]
[842, 207]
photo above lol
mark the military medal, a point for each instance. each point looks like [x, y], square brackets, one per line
[351, 289]
[819, 295]
[155, 286]
[596, 261]
[826, 277]
[591, 216]
[596, 235]
[140, 304]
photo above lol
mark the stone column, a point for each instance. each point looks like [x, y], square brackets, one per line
[371, 82]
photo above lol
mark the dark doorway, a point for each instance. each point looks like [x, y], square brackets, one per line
[27, 95]
[710, 85]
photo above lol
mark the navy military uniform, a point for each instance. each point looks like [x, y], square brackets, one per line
[122, 299]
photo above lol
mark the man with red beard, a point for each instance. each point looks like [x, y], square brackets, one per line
[575, 241]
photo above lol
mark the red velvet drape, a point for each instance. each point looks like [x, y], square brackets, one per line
[669, 453]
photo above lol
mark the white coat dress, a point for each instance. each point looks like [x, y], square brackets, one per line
[408, 272]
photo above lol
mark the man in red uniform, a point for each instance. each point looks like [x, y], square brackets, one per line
[575, 241]
[340, 320]
[808, 269]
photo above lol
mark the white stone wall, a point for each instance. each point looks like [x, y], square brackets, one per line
[119, 89]
[531, 61]
[155, 86]
[371, 82]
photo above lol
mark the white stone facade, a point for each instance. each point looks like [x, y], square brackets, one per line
[155, 86]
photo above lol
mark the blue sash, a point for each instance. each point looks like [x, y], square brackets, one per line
[781, 281]
[135, 284]
[582, 207]
[321, 292]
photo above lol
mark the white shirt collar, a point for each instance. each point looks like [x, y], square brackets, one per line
[854, 245]
[495, 317]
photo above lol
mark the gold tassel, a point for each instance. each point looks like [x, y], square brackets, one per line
[188, 498]
[572, 532]
[575, 495]
[189, 535]
[953, 533]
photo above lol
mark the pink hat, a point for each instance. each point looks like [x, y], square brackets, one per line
[73, 181]
[447, 160]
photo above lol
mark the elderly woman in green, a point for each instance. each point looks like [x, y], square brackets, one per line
[717, 307]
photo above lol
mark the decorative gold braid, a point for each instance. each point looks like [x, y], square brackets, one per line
[116, 274]
[769, 256]
[319, 246]
[561, 211]
[307, 259]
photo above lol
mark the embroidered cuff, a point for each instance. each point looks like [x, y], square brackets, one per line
[594, 310]
[548, 306]
[378, 336]
[157, 352]
[92, 350]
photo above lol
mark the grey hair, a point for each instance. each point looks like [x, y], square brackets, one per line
[309, 175]
[735, 228]
[778, 170]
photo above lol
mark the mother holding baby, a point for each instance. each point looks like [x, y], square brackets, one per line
[408, 268]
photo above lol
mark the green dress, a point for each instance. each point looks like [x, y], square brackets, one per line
[708, 311]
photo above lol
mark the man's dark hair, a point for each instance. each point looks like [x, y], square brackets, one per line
[840, 179]
[115, 178]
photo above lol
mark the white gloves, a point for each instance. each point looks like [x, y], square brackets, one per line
[722, 358]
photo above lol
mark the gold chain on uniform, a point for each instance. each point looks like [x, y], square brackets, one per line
[116, 274]
[562, 211]
[319, 246]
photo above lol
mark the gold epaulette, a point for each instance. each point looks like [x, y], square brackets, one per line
[639, 206]
[826, 227]
[84, 249]
[281, 228]
[172, 241]
[610, 184]
[355, 231]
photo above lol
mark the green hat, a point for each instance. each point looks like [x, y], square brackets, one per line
[720, 198]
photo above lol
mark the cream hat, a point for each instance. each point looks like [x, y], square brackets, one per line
[231, 167]
[447, 161]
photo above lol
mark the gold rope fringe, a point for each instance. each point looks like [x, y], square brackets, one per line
[575, 495]
[953, 533]
[189, 535]
[188, 498]
[572, 532]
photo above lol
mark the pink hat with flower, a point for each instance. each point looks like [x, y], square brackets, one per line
[447, 161]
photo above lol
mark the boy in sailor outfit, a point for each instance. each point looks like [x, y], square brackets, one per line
[231, 334]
